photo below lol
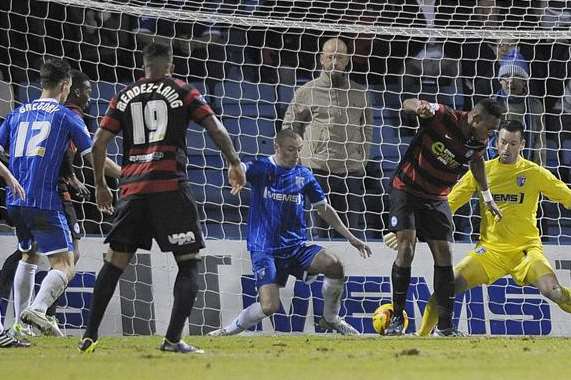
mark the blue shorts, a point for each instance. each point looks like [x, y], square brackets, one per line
[274, 268]
[49, 228]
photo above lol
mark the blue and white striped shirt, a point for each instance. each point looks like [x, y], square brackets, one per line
[277, 220]
[37, 134]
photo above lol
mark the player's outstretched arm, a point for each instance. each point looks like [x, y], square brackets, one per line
[555, 189]
[12, 182]
[103, 194]
[479, 172]
[327, 213]
[421, 108]
[219, 135]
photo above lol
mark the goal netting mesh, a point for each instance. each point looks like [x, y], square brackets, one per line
[248, 57]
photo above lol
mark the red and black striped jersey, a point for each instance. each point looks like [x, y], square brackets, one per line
[153, 115]
[67, 164]
[437, 156]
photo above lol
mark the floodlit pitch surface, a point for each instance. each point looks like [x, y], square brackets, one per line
[295, 357]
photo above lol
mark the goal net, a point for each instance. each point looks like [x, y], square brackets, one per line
[248, 57]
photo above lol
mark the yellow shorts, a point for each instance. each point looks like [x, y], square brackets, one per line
[525, 267]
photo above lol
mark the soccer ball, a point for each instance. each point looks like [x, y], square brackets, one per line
[382, 318]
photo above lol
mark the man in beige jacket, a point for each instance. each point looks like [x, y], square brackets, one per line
[333, 116]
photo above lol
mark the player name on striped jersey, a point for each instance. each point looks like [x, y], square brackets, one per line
[48, 107]
[171, 95]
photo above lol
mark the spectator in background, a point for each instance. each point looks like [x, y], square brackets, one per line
[98, 42]
[198, 48]
[555, 14]
[433, 76]
[278, 55]
[333, 116]
[513, 75]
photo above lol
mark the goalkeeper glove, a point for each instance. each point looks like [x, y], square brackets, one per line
[391, 241]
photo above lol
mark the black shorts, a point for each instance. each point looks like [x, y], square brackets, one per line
[432, 219]
[71, 217]
[171, 218]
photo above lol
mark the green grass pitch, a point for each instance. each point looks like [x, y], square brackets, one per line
[295, 357]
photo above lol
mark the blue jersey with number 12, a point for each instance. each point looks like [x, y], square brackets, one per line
[277, 213]
[37, 135]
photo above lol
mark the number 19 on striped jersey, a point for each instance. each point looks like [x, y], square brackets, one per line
[155, 118]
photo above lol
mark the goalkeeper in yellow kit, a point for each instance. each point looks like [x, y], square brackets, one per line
[511, 245]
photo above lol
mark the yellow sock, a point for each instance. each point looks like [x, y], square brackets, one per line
[429, 318]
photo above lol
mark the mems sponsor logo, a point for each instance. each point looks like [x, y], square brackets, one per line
[293, 198]
[508, 198]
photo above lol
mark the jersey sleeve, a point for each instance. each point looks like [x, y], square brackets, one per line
[80, 135]
[112, 119]
[552, 187]
[313, 191]
[198, 108]
[254, 171]
[5, 134]
[462, 192]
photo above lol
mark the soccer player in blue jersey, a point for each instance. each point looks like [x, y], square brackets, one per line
[21, 269]
[37, 135]
[277, 237]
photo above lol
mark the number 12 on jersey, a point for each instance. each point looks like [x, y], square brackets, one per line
[39, 133]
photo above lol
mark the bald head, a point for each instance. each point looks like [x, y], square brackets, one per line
[333, 45]
[334, 57]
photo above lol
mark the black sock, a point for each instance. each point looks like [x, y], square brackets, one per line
[444, 293]
[401, 279]
[104, 288]
[185, 290]
[7, 274]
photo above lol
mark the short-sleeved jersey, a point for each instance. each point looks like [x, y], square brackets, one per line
[516, 189]
[437, 156]
[276, 219]
[153, 115]
[37, 134]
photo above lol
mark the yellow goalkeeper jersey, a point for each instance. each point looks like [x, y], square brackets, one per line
[516, 188]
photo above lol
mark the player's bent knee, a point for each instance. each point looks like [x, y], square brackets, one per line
[334, 269]
[30, 257]
[118, 259]
[405, 256]
[63, 262]
[270, 307]
[189, 269]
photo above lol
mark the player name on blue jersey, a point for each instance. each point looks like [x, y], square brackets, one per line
[277, 206]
